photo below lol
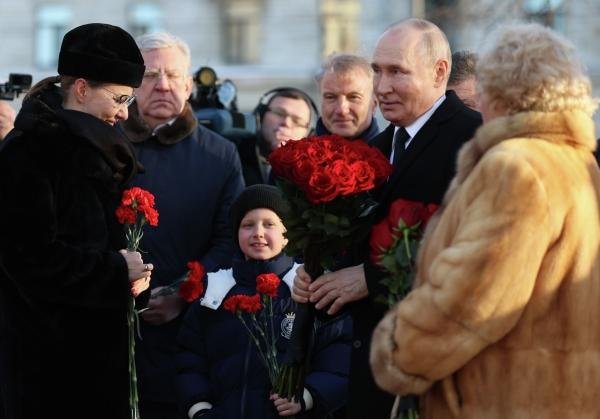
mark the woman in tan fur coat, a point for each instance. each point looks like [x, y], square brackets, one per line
[504, 319]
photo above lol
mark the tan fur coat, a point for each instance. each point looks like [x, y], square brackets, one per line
[504, 320]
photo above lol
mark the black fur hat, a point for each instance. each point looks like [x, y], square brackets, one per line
[103, 53]
[253, 197]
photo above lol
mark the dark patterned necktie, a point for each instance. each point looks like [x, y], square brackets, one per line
[400, 138]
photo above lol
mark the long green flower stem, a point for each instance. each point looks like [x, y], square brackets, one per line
[133, 390]
[268, 358]
[410, 414]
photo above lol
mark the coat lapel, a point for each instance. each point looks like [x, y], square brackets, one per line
[426, 136]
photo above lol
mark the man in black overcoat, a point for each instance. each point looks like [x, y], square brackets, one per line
[428, 125]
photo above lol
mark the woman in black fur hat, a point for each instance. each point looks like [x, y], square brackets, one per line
[64, 284]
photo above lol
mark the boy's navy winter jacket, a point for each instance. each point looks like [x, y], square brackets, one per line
[218, 363]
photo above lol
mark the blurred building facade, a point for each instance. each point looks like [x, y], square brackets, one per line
[261, 44]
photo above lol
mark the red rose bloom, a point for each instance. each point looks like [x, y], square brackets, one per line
[321, 188]
[345, 176]
[428, 213]
[364, 174]
[268, 284]
[284, 158]
[381, 239]
[302, 171]
[316, 153]
[409, 212]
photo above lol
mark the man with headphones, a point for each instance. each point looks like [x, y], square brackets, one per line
[282, 114]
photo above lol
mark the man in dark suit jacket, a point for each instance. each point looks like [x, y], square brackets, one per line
[428, 126]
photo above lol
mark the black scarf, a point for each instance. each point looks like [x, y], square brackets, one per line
[246, 271]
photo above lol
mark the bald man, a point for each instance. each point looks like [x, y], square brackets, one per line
[428, 125]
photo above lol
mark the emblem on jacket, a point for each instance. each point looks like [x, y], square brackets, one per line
[287, 324]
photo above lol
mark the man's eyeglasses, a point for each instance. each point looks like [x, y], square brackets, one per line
[120, 99]
[154, 75]
[296, 120]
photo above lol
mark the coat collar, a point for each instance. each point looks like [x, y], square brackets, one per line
[43, 116]
[368, 134]
[572, 128]
[139, 131]
[425, 137]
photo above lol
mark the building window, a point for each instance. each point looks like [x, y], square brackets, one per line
[339, 26]
[549, 13]
[52, 22]
[144, 18]
[242, 31]
[447, 15]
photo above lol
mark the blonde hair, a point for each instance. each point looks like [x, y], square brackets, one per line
[527, 67]
[159, 40]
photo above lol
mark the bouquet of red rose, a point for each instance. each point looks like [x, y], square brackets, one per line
[326, 179]
[189, 287]
[135, 211]
[394, 243]
[260, 328]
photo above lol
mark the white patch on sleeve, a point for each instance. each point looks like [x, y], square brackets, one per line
[218, 285]
[288, 278]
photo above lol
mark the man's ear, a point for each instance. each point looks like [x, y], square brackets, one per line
[374, 104]
[441, 70]
[189, 83]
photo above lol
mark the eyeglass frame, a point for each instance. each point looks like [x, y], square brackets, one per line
[120, 100]
[155, 74]
[283, 114]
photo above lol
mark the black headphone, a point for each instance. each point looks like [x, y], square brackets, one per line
[263, 107]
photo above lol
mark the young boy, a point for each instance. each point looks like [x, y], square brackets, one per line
[220, 373]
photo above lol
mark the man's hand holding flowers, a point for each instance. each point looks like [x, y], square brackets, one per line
[167, 302]
[336, 288]
[162, 309]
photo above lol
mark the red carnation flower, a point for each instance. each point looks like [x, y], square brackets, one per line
[232, 303]
[250, 303]
[137, 201]
[243, 303]
[189, 287]
[268, 284]
[126, 215]
[192, 288]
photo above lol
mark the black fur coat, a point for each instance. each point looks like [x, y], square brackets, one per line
[63, 285]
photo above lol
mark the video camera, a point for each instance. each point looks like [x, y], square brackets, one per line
[16, 84]
[215, 105]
